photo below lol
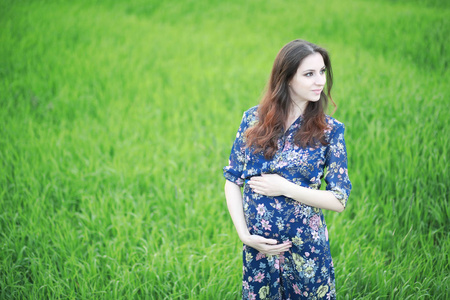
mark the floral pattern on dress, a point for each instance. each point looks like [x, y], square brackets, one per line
[305, 271]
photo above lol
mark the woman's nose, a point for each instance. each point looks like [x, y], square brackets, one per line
[320, 79]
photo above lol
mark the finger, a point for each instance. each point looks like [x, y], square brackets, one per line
[258, 189]
[278, 247]
[283, 247]
[252, 184]
[274, 252]
[268, 241]
[256, 179]
[279, 252]
[257, 184]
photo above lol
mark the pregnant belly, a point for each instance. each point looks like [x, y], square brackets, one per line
[273, 217]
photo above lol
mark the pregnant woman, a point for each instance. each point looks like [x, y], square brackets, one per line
[283, 148]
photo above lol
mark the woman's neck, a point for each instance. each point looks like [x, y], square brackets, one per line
[296, 109]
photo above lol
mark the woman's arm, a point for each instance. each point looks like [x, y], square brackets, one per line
[275, 185]
[235, 207]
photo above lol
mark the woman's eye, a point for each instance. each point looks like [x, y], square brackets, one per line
[323, 71]
[309, 74]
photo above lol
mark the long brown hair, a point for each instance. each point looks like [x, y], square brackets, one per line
[274, 107]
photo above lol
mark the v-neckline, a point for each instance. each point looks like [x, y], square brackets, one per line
[292, 124]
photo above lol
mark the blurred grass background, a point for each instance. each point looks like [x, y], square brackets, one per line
[116, 118]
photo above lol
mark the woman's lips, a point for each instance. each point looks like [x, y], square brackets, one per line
[317, 91]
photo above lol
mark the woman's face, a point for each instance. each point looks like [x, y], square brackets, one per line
[309, 81]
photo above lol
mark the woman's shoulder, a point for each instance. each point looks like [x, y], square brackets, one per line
[333, 123]
[251, 115]
[334, 126]
[252, 111]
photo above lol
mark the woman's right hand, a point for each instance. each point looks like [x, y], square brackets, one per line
[266, 246]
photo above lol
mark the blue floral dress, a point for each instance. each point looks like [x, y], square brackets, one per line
[306, 270]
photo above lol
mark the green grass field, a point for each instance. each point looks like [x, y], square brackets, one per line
[116, 118]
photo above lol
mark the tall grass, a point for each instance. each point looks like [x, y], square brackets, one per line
[116, 119]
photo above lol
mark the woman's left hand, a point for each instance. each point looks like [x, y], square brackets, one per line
[268, 184]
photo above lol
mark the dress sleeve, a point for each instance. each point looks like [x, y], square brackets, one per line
[233, 172]
[336, 176]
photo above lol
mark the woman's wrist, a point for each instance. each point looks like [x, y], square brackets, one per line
[289, 189]
[244, 237]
